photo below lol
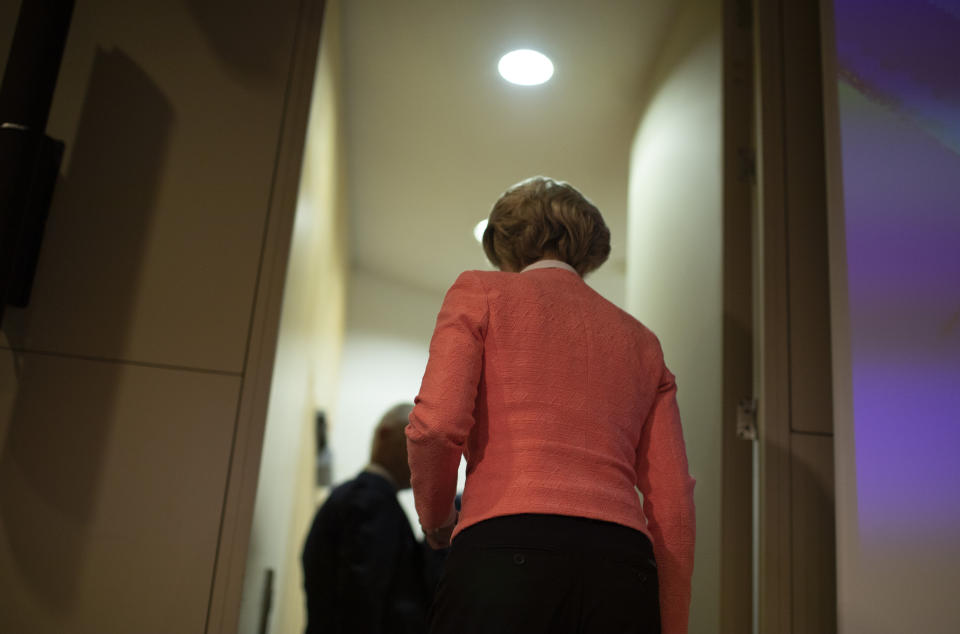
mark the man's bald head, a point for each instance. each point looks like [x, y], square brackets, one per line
[389, 448]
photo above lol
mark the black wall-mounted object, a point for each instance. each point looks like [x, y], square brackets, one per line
[323, 461]
[29, 159]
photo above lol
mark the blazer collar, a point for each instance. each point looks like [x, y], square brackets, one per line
[550, 264]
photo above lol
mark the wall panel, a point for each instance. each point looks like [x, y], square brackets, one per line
[171, 114]
[111, 488]
[814, 584]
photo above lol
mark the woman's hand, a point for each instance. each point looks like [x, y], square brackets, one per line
[439, 538]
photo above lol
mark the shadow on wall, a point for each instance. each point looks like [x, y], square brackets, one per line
[52, 448]
[231, 38]
[813, 545]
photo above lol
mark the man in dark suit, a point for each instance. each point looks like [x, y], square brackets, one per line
[364, 571]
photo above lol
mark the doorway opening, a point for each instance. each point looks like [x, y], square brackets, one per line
[413, 134]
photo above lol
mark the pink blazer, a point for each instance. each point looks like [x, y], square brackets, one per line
[561, 404]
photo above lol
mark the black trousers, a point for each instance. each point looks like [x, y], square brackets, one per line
[547, 574]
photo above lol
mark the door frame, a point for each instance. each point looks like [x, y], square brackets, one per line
[241, 487]
[795, 555]
[736, 514]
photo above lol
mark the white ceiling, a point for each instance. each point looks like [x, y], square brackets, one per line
[434, 135]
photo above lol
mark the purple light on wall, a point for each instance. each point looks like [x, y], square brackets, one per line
[899, 103]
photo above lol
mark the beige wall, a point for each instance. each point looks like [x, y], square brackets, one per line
[674, 258]
[307, 365]
[120, 384]
[385, 353]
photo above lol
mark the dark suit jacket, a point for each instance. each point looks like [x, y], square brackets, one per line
[363, 569]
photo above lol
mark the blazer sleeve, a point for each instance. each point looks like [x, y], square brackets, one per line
[664, 480]
[443, 412]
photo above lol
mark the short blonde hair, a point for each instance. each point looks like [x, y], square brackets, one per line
[541, 217]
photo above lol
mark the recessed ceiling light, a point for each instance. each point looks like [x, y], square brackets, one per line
[525, 67]
[479, 229]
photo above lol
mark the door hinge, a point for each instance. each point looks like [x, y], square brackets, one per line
[747, 419]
